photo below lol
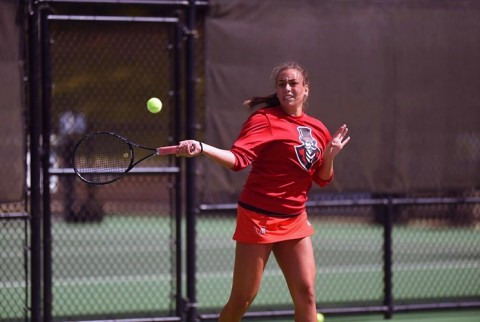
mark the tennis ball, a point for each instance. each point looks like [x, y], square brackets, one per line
[320, 317]
[154, 105]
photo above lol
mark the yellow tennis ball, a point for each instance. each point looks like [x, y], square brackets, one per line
[154, 105]
[320, 317]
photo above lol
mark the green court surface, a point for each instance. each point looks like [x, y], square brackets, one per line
[95, 265]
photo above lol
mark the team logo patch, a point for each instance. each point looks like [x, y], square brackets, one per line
[308, 153]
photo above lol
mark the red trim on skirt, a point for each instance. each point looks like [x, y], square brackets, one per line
[256, 228]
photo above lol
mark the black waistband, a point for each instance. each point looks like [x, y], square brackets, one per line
[265, 212]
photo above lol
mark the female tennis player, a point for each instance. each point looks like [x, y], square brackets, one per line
[288, 151]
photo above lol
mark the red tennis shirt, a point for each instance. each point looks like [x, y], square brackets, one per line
[285, 152]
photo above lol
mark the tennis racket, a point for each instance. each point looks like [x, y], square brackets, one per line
[104, 157]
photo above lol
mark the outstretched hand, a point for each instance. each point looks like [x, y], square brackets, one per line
[337, 143]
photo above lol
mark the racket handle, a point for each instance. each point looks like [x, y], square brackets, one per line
[172, 149]
[166, 150]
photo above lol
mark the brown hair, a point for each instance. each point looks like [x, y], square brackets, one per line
[272, 100]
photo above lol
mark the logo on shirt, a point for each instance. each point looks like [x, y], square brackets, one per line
[308, 153]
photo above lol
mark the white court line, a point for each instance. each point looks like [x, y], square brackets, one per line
[108, 280]
[467, 264]
[166, 245]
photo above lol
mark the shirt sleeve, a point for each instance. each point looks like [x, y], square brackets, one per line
[255, 134]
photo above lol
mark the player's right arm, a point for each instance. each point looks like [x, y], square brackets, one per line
[223, 157]
[255, 133]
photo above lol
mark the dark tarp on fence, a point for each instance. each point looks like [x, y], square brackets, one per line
[12, 151]
[403, 75]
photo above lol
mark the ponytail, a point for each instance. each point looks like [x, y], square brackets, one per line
[267, 101]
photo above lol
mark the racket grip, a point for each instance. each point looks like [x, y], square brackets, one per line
[166, 150]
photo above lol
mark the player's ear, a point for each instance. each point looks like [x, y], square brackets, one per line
[306, 90]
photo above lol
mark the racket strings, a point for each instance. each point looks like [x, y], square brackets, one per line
[102, 158]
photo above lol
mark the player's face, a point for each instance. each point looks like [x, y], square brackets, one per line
[291, 91]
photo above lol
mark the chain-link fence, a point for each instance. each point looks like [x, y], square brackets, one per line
[425, 258]
[114, 246]
[14, 259]
[348, 252]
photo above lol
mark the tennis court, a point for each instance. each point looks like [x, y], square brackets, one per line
[95, 264]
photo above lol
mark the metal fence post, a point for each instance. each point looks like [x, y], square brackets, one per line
[190, 171]
[46, 131]
[179, 306]
[387, 257]
[35, 182]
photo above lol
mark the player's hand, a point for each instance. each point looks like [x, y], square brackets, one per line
[189, 148]
[339, 140]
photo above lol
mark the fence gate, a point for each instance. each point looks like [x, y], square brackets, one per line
[111, 251]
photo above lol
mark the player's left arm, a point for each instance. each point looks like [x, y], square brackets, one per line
[334, 146]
